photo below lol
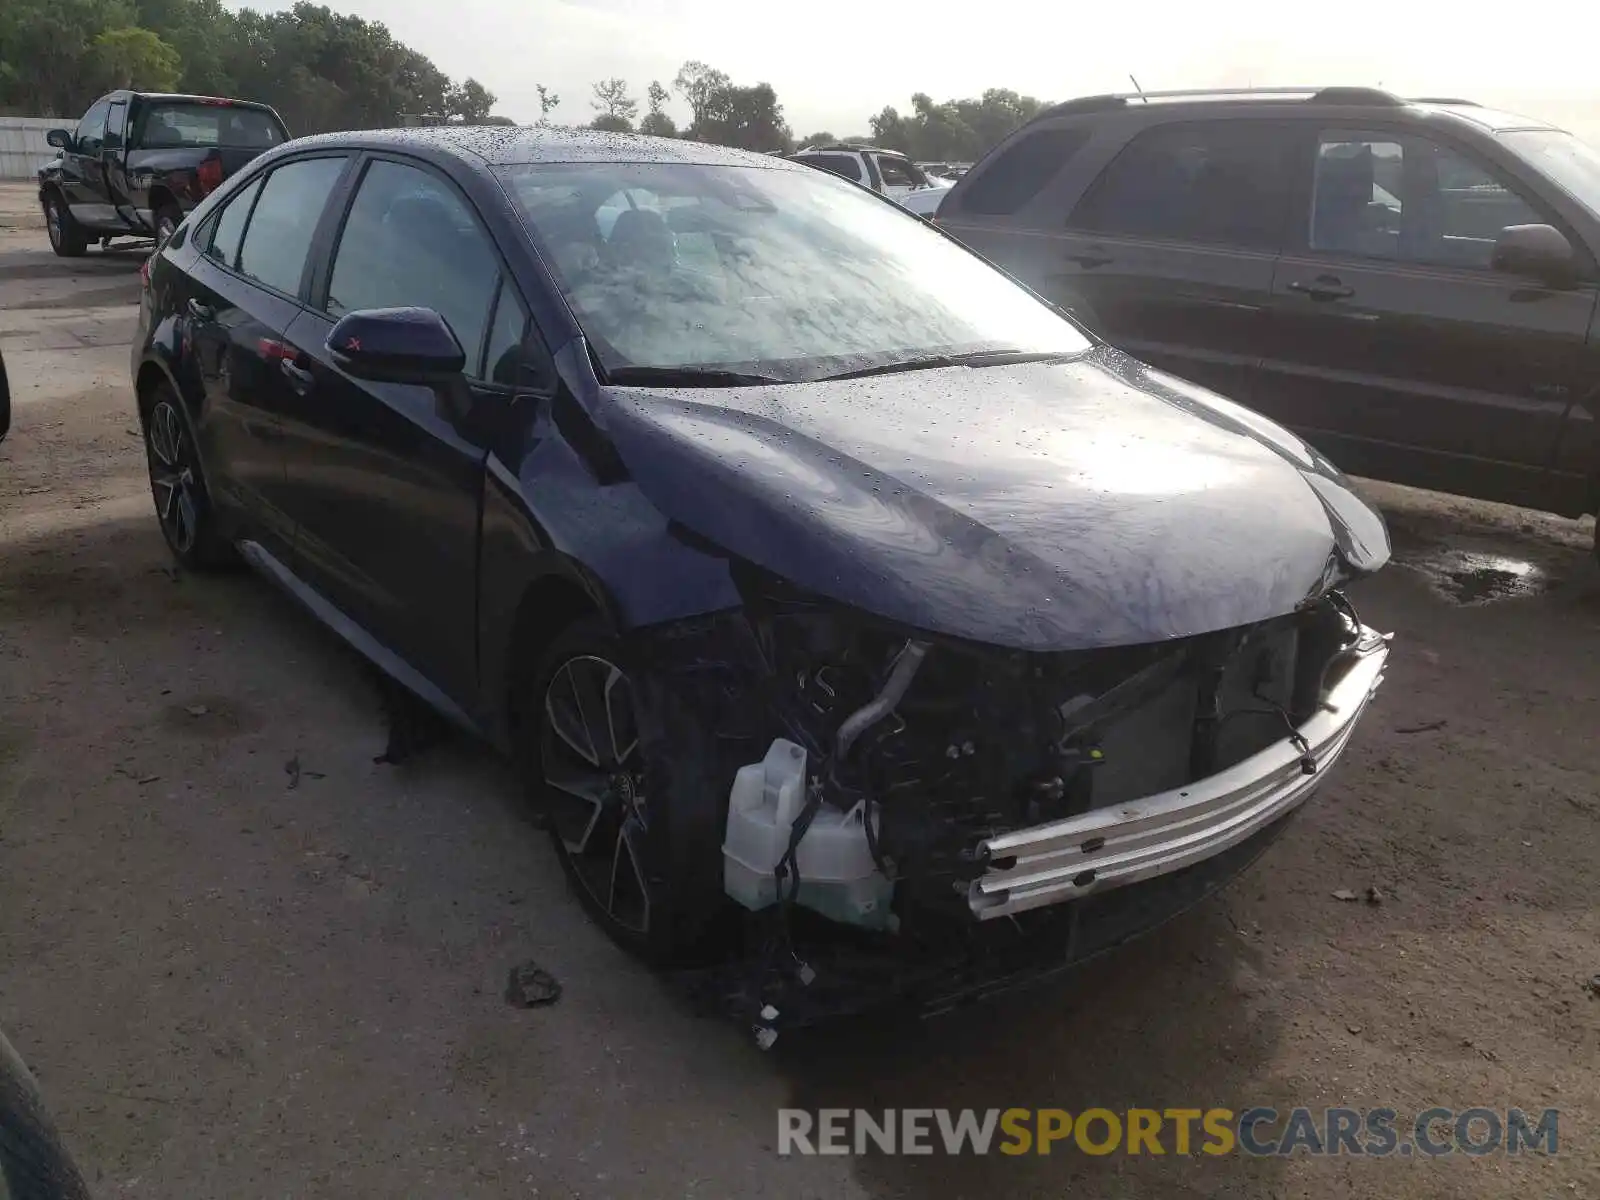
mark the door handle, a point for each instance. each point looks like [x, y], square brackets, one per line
[300, 379]
[1324, 287]
[200, 310]
[1090, 259]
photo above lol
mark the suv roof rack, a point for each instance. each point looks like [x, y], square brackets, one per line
[855, 146]
[1312, 95]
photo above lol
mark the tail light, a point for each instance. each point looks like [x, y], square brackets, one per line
[209, 175]
[144, 272]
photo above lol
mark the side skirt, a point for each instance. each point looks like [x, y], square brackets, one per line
[386, 660]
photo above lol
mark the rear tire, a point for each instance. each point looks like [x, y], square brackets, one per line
[167, 218]
[628, 821]
[67, 238]
[178, 486]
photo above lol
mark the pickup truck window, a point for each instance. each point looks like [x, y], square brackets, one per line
[91, 134]
[191, 124]
[116, 124]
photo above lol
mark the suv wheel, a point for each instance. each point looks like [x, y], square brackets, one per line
[67, 238]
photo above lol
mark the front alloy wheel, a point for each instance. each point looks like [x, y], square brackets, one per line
[594, 783]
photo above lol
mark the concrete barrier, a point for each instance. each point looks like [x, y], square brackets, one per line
[22, 146]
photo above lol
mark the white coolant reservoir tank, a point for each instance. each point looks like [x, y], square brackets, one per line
[838, 877]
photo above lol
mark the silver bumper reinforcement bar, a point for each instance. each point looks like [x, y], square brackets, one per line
[1124, 843]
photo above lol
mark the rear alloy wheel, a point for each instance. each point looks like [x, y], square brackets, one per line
[182, 504]
[66, 238]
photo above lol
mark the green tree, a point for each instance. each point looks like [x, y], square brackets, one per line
[611, 123]
[548, 103]
[131, 57]
[749, 118]
[697, 83]
[612, 102]
[656, 122]
[48, 65]
[818, 139]
[471, 103]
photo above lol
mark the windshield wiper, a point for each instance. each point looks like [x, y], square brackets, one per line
[685, 377]
[978, 358]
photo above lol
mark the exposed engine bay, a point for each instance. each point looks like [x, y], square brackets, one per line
[868, 824]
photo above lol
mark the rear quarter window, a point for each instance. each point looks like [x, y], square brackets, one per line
[847, 165]
[1020, 171]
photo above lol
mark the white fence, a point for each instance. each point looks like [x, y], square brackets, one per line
[22, 146]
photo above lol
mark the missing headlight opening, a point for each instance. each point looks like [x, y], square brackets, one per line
[929, 818]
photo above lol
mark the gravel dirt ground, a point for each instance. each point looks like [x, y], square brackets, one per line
[247, 961]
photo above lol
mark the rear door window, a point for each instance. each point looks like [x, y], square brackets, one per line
[1019, 172]
[1210, 182]
[285, 220]
[897, 172]
[227, 231]
[116, 123]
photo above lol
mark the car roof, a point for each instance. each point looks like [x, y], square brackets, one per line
[512, 145]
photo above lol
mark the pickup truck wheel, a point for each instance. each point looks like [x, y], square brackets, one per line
[167, 219]
[183, 505]
[647, 873]
[67, 238]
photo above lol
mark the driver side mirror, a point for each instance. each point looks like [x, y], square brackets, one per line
[397, 345]
[59, 139]
[1539, 252]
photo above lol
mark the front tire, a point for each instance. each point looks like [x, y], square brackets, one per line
[67, 237]
[183, 504]
[618, 801]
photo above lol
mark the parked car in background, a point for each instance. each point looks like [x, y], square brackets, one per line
[884, 171]
[1410, 285]
[821, 580]
[138, 161]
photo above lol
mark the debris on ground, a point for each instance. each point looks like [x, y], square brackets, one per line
[1374, 896]
[1425, 727]
[1592, 985]
[1346, 895]
[531, 986]
[296, 772]
[197, 710]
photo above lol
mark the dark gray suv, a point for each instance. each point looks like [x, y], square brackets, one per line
[1409, 284]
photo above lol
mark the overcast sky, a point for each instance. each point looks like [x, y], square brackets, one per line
[836, 62]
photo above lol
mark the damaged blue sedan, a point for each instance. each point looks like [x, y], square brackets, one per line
[862, 628]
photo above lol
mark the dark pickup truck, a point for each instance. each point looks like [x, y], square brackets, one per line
[138, 161]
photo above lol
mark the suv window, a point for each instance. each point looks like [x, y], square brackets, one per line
[1393, 196]
[847, 165]
[410, 239]
[1019, 172]
[897, 172]
[285, 219]
[228, 229]
[91, 135]
[1209, 181]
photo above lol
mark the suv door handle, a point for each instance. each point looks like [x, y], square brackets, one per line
[1323, 287]
[300, 379]
[200, 310]
[1090, 259]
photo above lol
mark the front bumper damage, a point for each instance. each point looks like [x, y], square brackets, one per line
[1026, 812]
[1109, 848]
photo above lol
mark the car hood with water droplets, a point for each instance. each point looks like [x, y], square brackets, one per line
[1039, 506]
